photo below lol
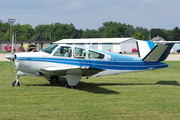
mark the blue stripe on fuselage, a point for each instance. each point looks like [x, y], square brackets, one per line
[99, 64]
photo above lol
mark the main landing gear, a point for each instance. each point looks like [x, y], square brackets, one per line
[54, 79]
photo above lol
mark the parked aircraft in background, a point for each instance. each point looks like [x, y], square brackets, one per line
[76, 62]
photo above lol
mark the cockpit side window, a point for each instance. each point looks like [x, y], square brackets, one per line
[63, 51]
[95, 55]
[79, 53]
[49, 49]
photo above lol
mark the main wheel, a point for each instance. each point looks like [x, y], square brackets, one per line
[15, 83]
[54, 79]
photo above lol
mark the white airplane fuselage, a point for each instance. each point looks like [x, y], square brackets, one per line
[80, 62]
[32, 62]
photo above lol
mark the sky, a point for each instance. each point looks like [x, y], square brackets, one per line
[91, 14]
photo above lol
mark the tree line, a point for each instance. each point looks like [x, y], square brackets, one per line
[58, 31]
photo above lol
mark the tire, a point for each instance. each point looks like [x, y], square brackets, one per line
[54, 79]
[14, 83]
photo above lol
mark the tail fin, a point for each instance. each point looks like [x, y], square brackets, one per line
[144, 47]
[150, 52]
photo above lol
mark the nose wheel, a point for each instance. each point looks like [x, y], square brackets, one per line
[16, 82]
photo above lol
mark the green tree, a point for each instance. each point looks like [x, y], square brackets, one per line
[139, 36]
[6, 36]
[41, 28]
[95, 33]
[168, 34]
[4, 32]
[123, 30]
[42, 32]
[110, 32]
[90, 34]
[79, 33]
[158, 32]
[175, 34]
[63, 31]
[87, 34]
[24, 32]
[100, 31]
[109, 29]
[118, 26]
[129, 31]
[5, 27]
[143, 31]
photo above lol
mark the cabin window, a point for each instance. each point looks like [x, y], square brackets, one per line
[95, 55]
[63, 51]
[49, 49]
[79, 53]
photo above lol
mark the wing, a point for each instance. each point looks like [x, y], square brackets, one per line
[59, 70]
[85, 70]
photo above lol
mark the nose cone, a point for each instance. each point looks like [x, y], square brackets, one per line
[10, 57]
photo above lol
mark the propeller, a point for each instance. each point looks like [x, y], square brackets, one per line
[10, 57]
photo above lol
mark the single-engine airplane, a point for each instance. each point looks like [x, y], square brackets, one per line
[76, 62]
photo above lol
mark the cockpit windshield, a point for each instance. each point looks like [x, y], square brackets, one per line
[49, 49]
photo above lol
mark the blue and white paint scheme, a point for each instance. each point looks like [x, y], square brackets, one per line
[51, 62]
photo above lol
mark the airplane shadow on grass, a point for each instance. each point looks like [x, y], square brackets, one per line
[163, 82]
[96, 87]
[82, 86]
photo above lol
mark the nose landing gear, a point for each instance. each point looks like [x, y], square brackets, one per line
[16, 82]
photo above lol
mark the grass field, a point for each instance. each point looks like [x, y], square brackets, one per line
[142, 95]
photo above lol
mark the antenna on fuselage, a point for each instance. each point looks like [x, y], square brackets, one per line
[89, 45]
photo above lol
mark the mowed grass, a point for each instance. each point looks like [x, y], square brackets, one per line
[143, 95]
